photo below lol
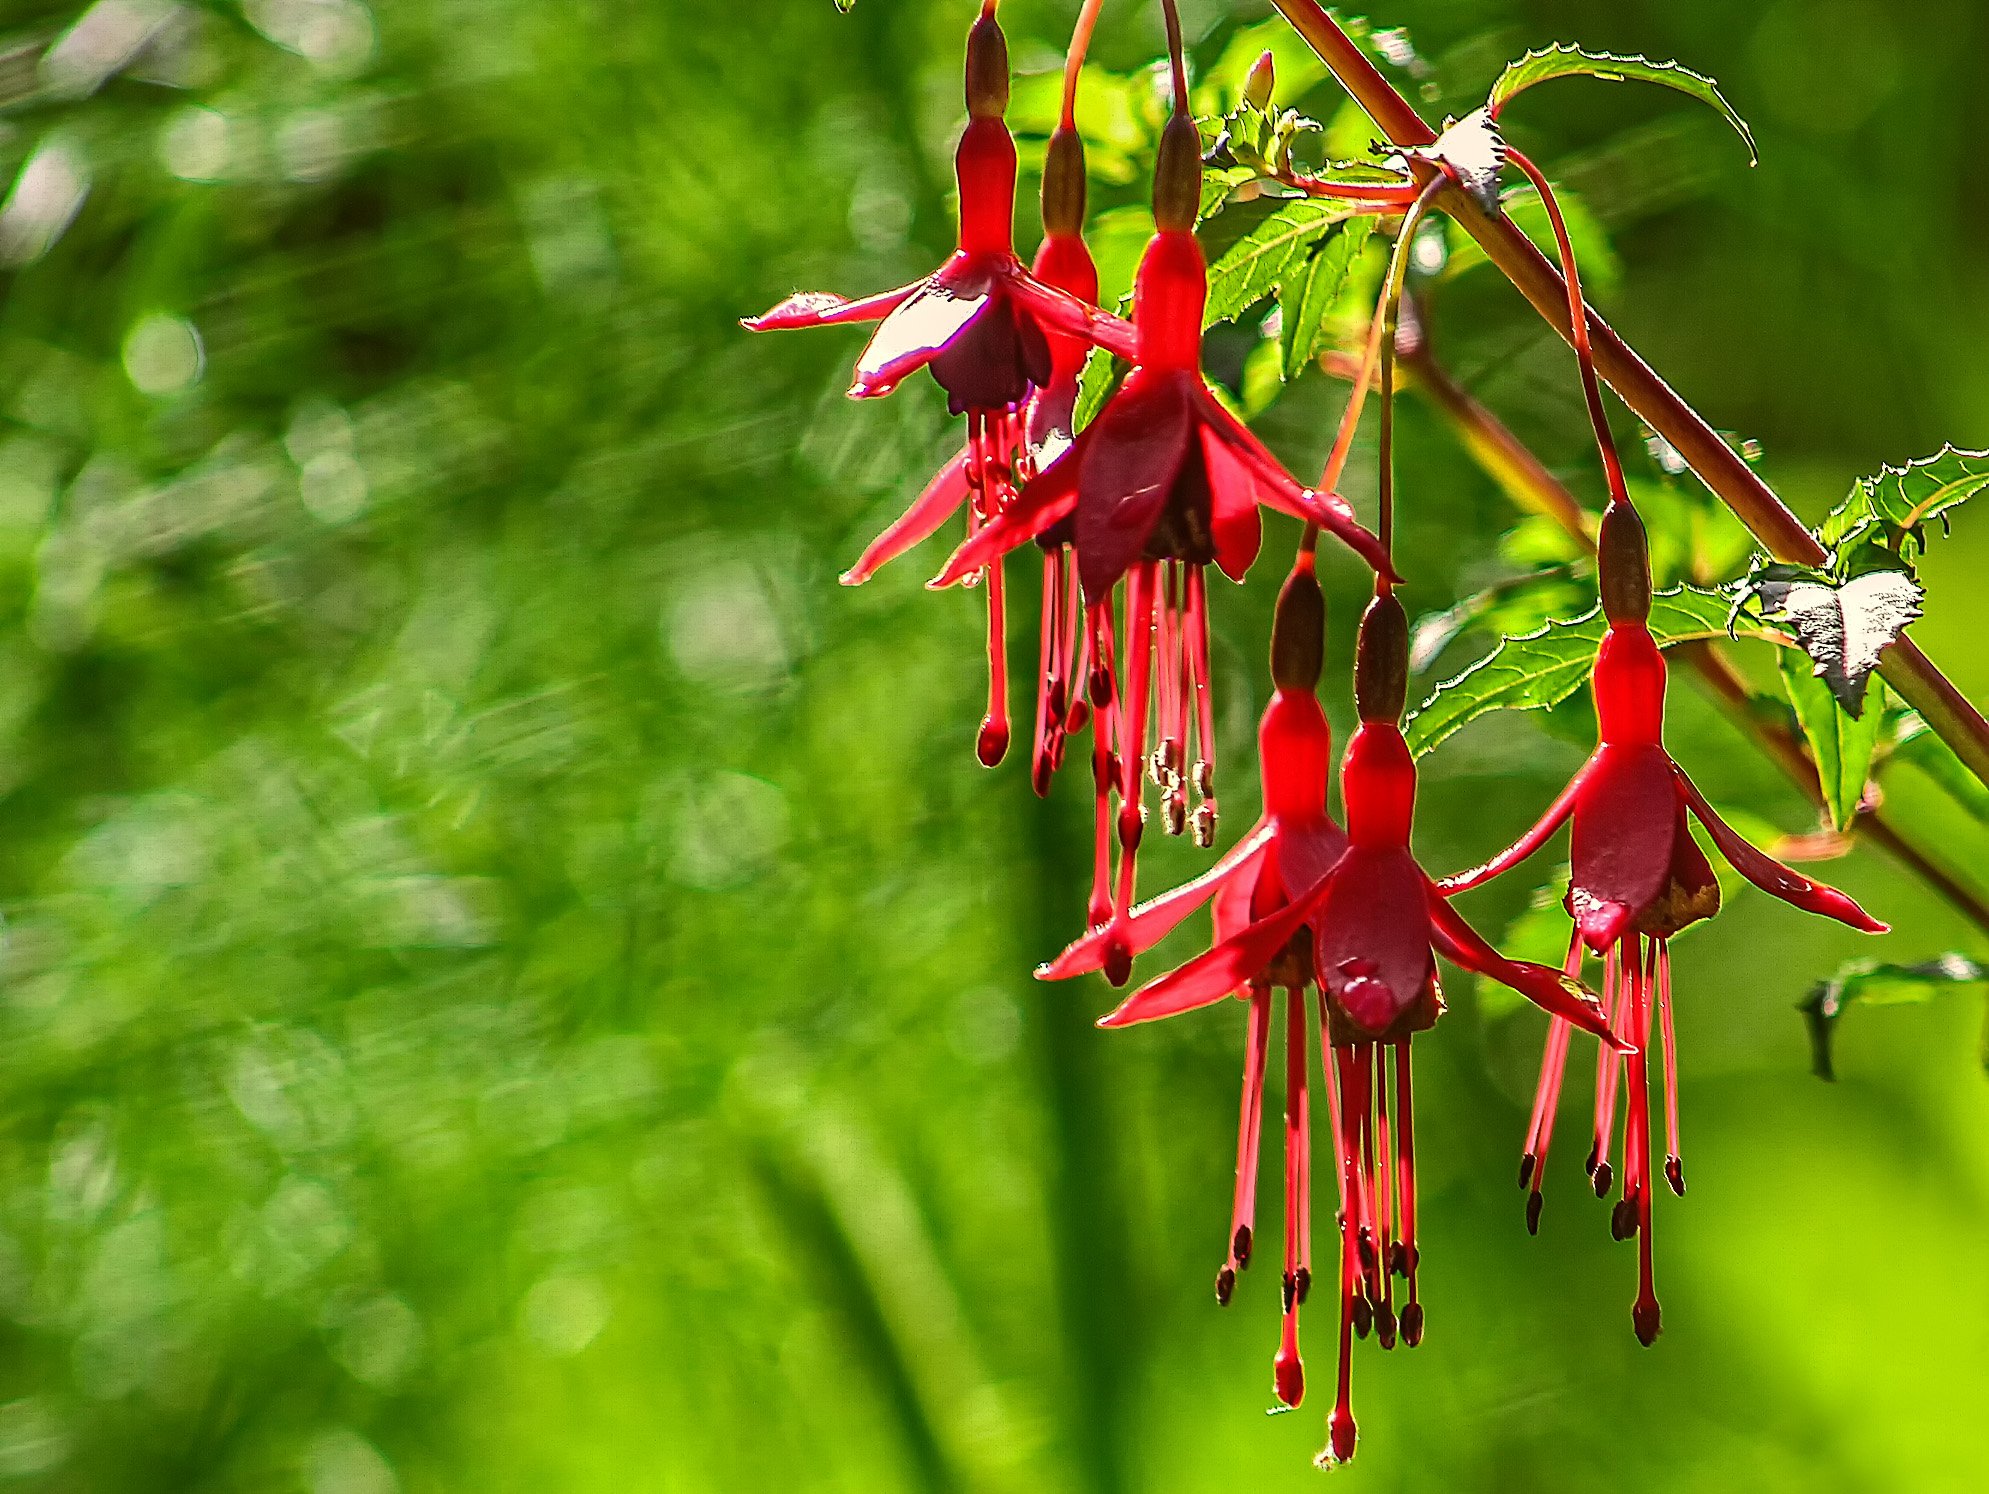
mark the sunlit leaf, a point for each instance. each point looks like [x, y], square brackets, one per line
[1894, 506]
[1841, 743]
[1842, 626]
[1258, 263]
[1876, 983]
[1565, 60]
[1307, 296]
[1540, 669]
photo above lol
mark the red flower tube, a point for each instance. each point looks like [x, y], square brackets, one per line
[1638, 878]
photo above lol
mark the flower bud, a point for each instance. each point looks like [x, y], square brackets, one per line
[1298, 632]
[1064, 184]
[1381, 661]
[1623, 565]
[1263, 78]
[987, 70]
[1177, 176]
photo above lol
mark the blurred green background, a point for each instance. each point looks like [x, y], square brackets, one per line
[513, 978]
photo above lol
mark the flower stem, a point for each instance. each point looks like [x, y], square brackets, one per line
[1919, 682]
[1177, 55]
[1080, 43]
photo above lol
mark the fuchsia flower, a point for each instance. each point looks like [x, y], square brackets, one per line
[1638, 878]
[1298, 904]
[1164, 483]
[989, 332]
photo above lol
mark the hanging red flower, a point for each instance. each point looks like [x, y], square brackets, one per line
[1638, 878]
[1352, 917]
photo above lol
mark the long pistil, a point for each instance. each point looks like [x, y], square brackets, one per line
[1289, 1369]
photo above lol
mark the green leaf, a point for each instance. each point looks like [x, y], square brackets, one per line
[1258, 263]
[1894, 506]
[1565, 60]
[1543, 668]
[1920, 746]
[845, 6]
[1306, 298]
[1841, 743]
[1877, 984]
[1217, 183]
[1102, 373]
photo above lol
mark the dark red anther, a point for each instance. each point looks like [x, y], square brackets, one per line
[1304, 1278]
[1602, 1177]
[1401, 1258]
[1381, 661]
[1225, 1286]
[1526, 1168]
[1177, 176]
[1240, 1247]
[987, 70]
[1623, 565]
[1623, 1219]
[1118, 963]
[1384, 1326]
[1412, 1324]
[1533, 1204]
[1674, 1174]
[1363, 1315]
[1291, 1298]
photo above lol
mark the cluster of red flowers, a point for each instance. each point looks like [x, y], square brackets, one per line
[1129, 512]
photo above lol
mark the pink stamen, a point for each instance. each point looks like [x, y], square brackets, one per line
[1547, 1098]
[992, 745]
[1203, 774]
[1249, 1135]
[1408, 1258]
[1637, 1123]
[1103, 705]
[1608, 1070]
[1136, 693]
[1049, 678]
[1674, 1163]
[1645, 1315]
[1384, 1208]
[1289, 1369]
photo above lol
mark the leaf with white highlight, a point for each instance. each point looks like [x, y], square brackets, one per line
[1843, 627]
[1565, 60]
[1878, 984]
[1474, 149]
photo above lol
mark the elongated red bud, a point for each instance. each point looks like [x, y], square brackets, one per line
[1262, 80]
[1623, 565]
[987, 70]
[1298, 632]
[1177, 176]
[1381, 661]
[1064, 184]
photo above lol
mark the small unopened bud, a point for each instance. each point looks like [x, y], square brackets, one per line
[1298, 632]
[1177, 176]
[1623, 565]
[1262, 80]
[1064, 183]
[1381, 661]
[987, 70]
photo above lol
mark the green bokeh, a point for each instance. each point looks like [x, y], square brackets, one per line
[513, 978]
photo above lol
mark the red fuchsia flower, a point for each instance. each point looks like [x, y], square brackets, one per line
[984, 326]
[1638, 878]
[1164, 483]
[1353, 917]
